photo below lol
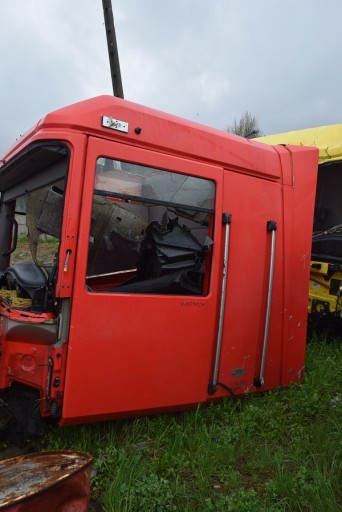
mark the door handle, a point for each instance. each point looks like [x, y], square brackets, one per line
[271, 227]
[66, 261]
[226, 221]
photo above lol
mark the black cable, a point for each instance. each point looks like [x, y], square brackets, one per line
[230, 391]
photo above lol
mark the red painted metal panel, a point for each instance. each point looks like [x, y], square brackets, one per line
[298, 221]
[252, 202]
[136, 353]
[132, 354]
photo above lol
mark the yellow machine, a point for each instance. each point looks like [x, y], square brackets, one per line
[325, 292]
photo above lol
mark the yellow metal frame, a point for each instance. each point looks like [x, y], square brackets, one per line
[321, 300]
[328, 139]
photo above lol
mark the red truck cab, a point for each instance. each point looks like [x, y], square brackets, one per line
[148, 264]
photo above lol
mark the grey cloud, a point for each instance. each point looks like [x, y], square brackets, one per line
[206, 61]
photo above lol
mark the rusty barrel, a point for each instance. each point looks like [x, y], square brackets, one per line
[53, 481]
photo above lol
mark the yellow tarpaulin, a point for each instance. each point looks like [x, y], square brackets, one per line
[327, 138]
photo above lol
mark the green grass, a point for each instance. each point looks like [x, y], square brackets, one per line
[278, 452]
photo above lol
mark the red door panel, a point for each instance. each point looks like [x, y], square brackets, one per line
[138, 352]
[252, 202]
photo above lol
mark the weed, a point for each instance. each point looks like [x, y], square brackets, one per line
[280, 452]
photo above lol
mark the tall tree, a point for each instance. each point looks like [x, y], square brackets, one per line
[247, 126]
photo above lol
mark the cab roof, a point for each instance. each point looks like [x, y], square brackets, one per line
[152, 129]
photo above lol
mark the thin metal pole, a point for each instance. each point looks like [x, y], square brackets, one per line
[226, 219]
[112, 49]
[271, 227]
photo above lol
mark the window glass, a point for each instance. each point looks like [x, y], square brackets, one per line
[151, 230]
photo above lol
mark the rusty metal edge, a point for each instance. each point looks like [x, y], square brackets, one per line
[78, 453]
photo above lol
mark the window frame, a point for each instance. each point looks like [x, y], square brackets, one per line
[142, 200]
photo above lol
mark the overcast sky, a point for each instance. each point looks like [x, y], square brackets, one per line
[205, 60]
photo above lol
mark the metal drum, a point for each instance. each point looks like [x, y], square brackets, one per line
[53, 481]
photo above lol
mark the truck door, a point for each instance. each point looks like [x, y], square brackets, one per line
[144, 306]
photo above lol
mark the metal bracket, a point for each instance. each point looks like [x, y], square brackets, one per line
[114, 124]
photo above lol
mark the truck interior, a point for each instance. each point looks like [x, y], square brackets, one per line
[151, 230]
[327, 230]
[31, 219]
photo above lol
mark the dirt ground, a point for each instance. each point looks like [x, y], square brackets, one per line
[45, 253]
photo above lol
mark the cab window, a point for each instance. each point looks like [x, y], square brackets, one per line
[151, 230]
